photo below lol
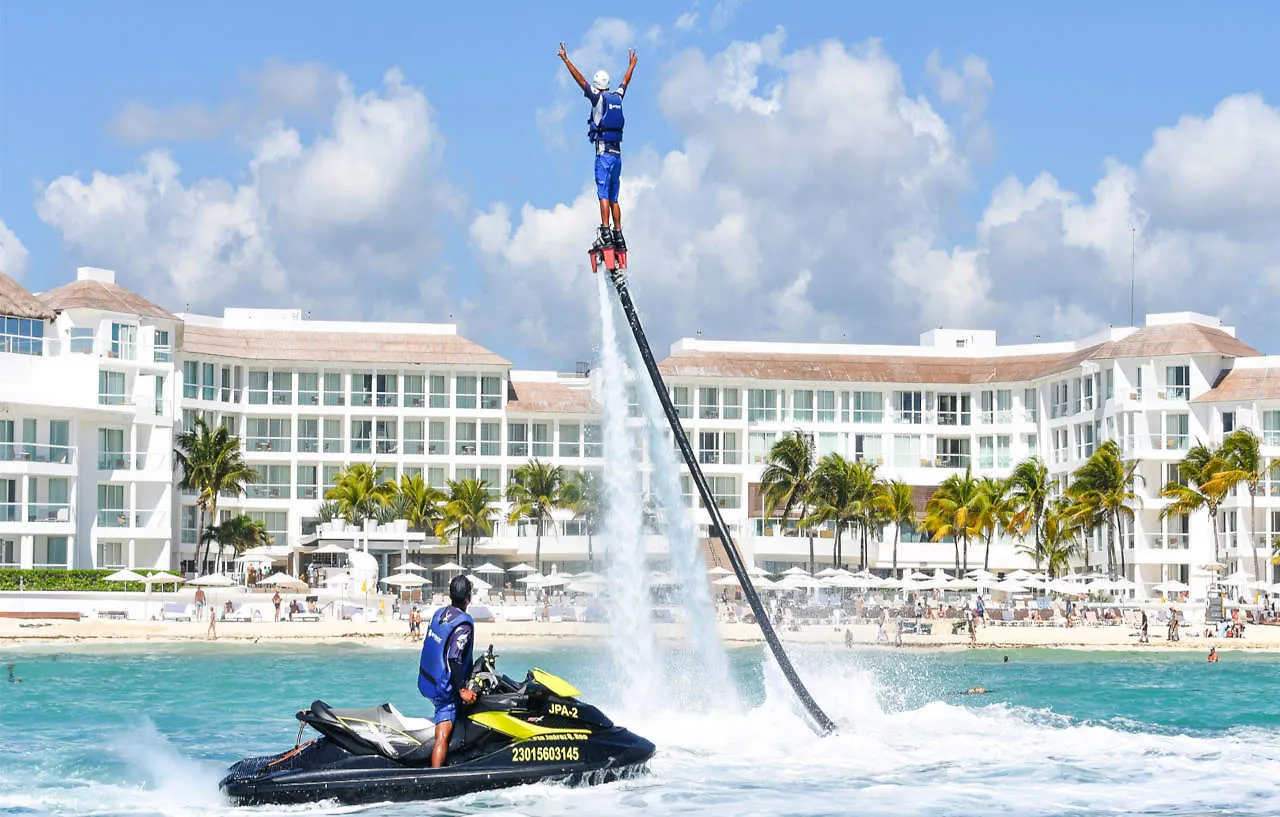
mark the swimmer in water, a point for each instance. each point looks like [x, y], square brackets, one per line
[13, 680]
[1213, 655]
[973, 691]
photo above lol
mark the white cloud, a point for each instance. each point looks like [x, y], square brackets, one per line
[13, 255]
[687, 21]
[723, 13]
[278, 89]
[341, 224]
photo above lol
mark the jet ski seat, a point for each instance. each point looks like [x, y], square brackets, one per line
[383, 730]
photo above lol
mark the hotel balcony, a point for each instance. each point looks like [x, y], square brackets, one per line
[150, 524]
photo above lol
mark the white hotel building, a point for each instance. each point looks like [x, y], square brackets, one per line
[95, 382]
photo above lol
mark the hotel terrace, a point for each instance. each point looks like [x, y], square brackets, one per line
[95, 383]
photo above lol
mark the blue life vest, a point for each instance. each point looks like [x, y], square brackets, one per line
[609, 129]
[433, 666]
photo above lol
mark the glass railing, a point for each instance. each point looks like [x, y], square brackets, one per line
[1170, 541]
[307, 492]
[307, 398]
[308, 446]
[387, 446]
[414, 447]
[267, 491]
[113, 461]
[952, 461]
[414, 401]
[333, 446]
[361, 399]
[49, 512]
[10, 511]
[25, 452]
[163, 354]
[112, 399]
[113, 518]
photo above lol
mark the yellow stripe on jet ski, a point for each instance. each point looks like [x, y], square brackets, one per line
[516, 728]
[557, 685]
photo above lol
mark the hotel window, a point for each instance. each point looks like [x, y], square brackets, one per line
[1177, 383]
[1173, 473]
[570, 440]
[308, 435]
[228, 421]
[491, 439]
[1004, 451]
[465, 438]
[333, 395]
[208, 389]
[868, 406]
[633, 401]
[730, 452]
[1271, 428]
[436, 477]
[986, 452]
[986, 407]
[725, 491]
[273, 482]
[308, 389]
[1109, 384]
[759, 443]
[868, 447]
[762, 405]
[307, 482]
[111, 455]
[1137, 394]
[111, 388]
[159, 396]
[388, 437]
[1031, 405]
[1033, 444]
[188, 515]
[268, 433]
[1177, 431]
[413, 437]
[23, 336]
[732, 400]
[1061, 445]
[81, 340]
[709, 403]
[541, 438]
[592, 440]
[332, 435]
[411, 471]
[112, 512]
[909, 406]
[906, 451]
[1086, 397]
[1228, 422]
[680, 397]
[439, 397]
[124, 341]
[1084, 441]
[465, 386]
[954, 409]
[826, 407]
[281, 388]
[1076, 389]
[258, 381]
[362, 389]
[491, 392]
[110, 555]
[276, 523]
[802, 406]
[953, 453]
[330, 475]
[161, 349]
[361, 436]
[190, 379]
[492, 478]
[828, 443]
[1004, 406]
[709, 447]
[51, 552]
[415, 395]
[388, 389]
[460, 473]
[188, 419]
[686, 490]
[438, 437]
[226, 384]
[517, 440]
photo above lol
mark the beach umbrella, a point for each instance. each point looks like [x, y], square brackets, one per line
[1009, 586]
[450, 566]
[916, 576]
[489, 567]
[338, 579]
[826, 572]
[254, 558]
[1171, 586]
[1213, 566]
[844, 582]
[795, 571]
[404, 580]
[757, 571]
[890, 583]
[163, 578]
[211, 580]
[727, 581]
[336, 550]
[719, 571]
[522, 568]
[1019, 575]
[1238, 579]
[283, 581]
[408, 566]
[982, 575]
[478, 583]
[962, 584]
[124, 576]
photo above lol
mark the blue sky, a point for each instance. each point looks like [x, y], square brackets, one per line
[1068, 87]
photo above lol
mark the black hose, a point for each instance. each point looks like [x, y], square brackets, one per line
[821, 724]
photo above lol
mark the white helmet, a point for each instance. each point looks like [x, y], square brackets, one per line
[600, 81]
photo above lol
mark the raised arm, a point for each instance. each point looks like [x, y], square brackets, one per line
[577, 75]
[631, 66]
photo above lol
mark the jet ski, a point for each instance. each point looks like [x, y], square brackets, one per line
[516, 733]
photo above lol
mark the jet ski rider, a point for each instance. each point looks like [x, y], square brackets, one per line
[604, 129]
[446, 664]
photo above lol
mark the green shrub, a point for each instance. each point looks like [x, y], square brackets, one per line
[79, 580]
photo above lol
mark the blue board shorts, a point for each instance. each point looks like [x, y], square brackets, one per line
[608, 175]
[446, 711]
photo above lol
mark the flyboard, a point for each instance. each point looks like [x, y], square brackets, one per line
[614, 262]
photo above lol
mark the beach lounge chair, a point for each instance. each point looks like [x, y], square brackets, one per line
[176, 611]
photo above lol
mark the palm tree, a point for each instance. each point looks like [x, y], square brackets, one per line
[360, 491]
[418, 503]
[240, 533]
[469, 512]
[868, 508]
[584, 495]
[1204, 490]
[899, 509]
[1062, 536]
[1241, 449]
[213, 466]
[996, 512]
[1030, 492]
[833, 499]
[1104, 485]
[955, 510]
[535, 491]
[788, 476]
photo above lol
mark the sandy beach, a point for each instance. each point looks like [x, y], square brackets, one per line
[30, 632]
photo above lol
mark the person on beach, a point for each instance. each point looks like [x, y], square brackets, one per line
[199, 603]
[604, 129]
[445, 664]
[275, 600]
[212, 633]
[1143, 638]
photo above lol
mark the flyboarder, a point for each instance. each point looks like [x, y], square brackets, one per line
[604, 130]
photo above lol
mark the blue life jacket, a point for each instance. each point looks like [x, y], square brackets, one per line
[609, 129]
[433, 666]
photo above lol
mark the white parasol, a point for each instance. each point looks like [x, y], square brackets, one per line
[522, 568]
[489, 567]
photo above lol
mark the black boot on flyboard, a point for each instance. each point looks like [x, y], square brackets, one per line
[608, 251]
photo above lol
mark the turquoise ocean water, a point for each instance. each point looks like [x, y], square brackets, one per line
[148, 730]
